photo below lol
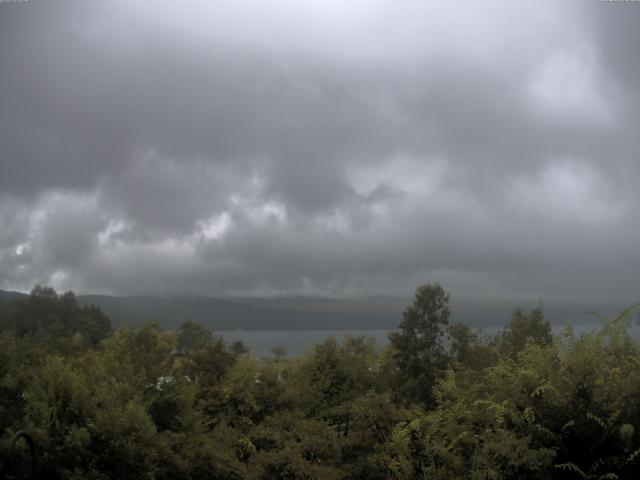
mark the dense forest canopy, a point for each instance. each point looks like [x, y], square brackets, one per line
[442, 401]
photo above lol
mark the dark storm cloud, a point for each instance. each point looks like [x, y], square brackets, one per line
[338, 149]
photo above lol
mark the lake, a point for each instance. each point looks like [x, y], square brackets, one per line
[298, 342]
[295, 341]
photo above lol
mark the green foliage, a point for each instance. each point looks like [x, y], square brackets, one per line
[143, 403]
[469, 349]
[289, 446]
[419, 352]
[55, 319]
[523, 327]
[192, 337]
[334, 374]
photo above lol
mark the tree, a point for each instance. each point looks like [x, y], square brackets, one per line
[419, 353]
[334, 374]
[239, 348]
[524, 326]
[192, 336]
[57, 320]
[470, 349]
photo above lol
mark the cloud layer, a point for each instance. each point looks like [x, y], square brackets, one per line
[335, 148]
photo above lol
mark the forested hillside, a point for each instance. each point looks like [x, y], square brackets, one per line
[442, 401]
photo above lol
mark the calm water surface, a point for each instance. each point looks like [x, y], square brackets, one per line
[297, 342]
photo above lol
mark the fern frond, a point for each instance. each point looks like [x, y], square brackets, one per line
[571, 467]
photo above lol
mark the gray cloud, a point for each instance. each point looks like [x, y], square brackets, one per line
[340, 149]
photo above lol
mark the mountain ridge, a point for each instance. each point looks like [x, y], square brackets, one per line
[311, 313]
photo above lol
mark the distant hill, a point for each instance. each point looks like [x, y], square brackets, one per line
[475, 312]
[223, 314]
[8, 296]
[313, 313]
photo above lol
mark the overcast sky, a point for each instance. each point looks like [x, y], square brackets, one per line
[340, 148]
